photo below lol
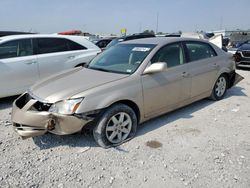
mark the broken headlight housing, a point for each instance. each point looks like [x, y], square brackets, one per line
[66, 107]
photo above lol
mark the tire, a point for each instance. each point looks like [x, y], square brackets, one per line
[115, 126]
[220, 88]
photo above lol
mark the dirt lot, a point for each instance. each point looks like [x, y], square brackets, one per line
[206, 144]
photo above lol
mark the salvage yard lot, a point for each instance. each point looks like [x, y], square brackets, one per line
[206, 144]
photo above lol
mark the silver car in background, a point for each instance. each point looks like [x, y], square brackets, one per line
[125, 85]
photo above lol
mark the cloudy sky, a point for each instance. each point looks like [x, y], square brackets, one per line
[109, 16]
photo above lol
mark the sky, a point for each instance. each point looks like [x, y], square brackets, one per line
[110, 16]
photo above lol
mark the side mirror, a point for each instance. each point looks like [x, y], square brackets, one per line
[156, 67]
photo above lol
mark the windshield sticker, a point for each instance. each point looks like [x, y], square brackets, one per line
[140, 49]
[128, 70]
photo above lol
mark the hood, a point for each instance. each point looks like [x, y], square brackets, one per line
[63, 86]
[245, 46]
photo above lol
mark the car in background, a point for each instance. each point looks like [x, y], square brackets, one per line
[129, 37]
[232, 50]
[24, 59]
[242, 55]
[173, 35]
[8, 33]
[102, 43]
[123, 86]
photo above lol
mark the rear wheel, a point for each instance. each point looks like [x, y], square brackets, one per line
[117, 125]
[220, 88]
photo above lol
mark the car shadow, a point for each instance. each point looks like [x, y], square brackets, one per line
[81, 139]
[235, 91]
[85, 138]
[6, 102]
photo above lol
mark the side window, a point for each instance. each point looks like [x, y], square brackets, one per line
[16, 48]
[51, 45]
[172, 54]
[8, 49]
[25, 48]
[75, 46]
[198, 51]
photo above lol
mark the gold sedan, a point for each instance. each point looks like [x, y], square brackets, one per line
[125, 85]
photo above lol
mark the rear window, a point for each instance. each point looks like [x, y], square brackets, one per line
[75, 46]
[53, 45]
[198, 51]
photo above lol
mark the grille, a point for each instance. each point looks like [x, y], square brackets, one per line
[246, 53]
[244, 63]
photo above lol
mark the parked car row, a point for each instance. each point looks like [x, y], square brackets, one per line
[129, 37]
[24, 59]
[123, 86]
[106, 43]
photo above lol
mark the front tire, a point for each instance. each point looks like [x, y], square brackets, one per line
[220, 88]
[115, 126]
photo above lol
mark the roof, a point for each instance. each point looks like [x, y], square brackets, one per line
[11, 37]
[159, 40]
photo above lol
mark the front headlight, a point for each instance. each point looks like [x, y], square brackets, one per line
[66, 107]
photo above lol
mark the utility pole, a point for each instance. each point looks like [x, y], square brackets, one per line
[157, 18]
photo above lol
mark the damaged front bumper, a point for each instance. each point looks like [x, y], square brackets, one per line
[31, 118]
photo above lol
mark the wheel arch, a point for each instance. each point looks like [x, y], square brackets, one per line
[230, 74]
[132, 105]
[80, 65]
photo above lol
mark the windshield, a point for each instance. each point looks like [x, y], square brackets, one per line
[122, 58]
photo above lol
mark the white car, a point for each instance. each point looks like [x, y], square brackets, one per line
[24, 59]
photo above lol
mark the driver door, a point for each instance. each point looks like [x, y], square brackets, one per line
[165, 91]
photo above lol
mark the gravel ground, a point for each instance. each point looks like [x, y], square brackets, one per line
[206, 144]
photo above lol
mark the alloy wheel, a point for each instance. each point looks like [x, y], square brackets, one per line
[118, 127]
[220, 86]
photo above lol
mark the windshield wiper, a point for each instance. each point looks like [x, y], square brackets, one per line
[106, 70]
[100, 69]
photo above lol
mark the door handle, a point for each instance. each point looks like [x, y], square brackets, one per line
[71, 57]
[30, 62]
[185, 74]
[215, 65]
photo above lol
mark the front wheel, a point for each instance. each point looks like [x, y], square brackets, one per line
[220, 88]
[117, 125]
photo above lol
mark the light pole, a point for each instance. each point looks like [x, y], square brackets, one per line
[157, 18]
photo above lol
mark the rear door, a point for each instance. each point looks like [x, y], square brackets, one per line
[165, 91]
[203, 67]
[18, 67]
[56, 54]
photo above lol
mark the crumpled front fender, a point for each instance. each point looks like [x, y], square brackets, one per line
[234, 79]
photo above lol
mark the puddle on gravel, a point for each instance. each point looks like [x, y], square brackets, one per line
[153, 144]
